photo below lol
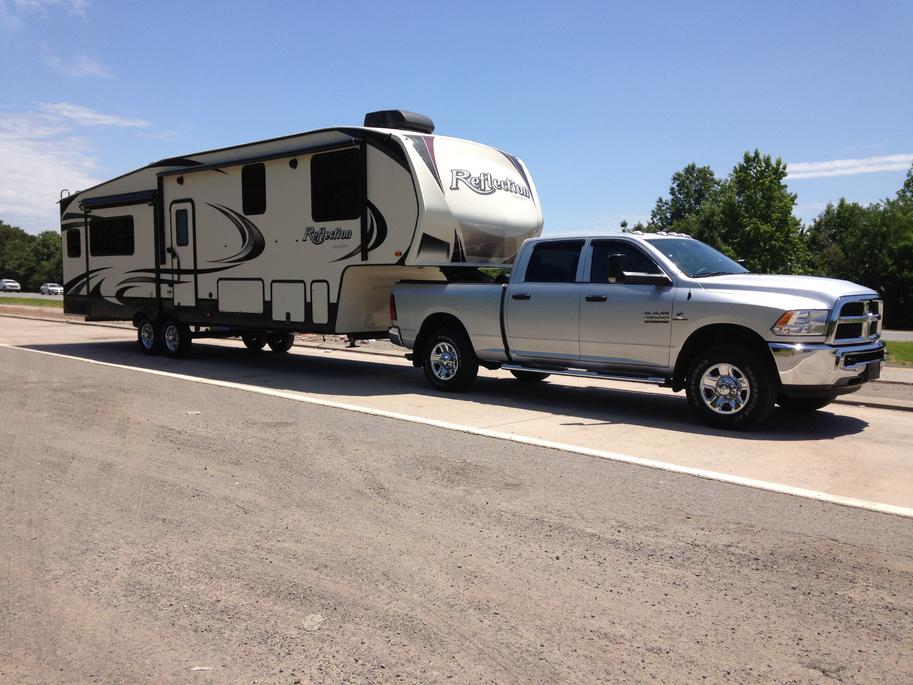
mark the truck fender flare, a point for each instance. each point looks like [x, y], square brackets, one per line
[720, 334]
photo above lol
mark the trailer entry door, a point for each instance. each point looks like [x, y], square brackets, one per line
[183, 254]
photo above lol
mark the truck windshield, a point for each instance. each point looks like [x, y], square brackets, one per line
[696, 259]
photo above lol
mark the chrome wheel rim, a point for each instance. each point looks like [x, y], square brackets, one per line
[445, 362]
[171, 337]
[725, 389]
[147, 335]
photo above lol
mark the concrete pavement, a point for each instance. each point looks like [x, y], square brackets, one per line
[844, 451]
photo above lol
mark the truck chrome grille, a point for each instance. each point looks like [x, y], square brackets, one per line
[855, 320]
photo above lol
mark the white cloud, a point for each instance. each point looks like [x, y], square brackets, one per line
[77, 7]
[86, 116]
[44, 151]
[80, 66]
[849, 167]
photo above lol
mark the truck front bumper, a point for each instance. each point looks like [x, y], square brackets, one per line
[820, 369]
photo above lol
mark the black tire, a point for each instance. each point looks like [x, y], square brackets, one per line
[149, 337]
[803, 404]
[449, 362]
[280, 342]
[253, 342]
[176, 338]
[529, 376]
[730, 386]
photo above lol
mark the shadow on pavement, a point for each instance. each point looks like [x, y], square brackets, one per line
[332, 376]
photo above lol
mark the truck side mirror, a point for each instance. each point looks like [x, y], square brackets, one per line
[616, 267]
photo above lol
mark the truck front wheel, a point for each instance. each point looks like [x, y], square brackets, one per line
[449, 361]
[729, 386]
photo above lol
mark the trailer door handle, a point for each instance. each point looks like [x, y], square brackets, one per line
[521, 296]
[596, 298]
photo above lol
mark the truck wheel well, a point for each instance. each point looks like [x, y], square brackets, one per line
[719, 334]
[429, 325]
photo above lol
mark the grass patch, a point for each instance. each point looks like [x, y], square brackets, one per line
[900, 353]
[31, 302]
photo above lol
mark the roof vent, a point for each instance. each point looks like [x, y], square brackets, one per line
[399, 119]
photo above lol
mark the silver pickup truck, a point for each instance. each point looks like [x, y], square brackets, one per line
[653, 308]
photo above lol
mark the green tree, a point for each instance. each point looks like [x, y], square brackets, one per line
[748, 215]
[30, 259]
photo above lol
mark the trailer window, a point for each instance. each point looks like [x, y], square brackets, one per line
[74, 243]
[182, 234]
[253, 189]
[337, 185]
[110, 237]
[554, 262]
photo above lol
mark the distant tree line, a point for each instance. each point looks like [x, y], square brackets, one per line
[30, 259]
[749, 215]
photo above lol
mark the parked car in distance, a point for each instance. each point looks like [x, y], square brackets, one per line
[51, 289]
[8, 285]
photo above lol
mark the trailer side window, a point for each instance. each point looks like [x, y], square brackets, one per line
[182, 234]
[110, 237]
[337, 185]
[253, 189]
[74, 243]
[554, 262]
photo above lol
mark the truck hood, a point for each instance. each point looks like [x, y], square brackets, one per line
[824, 290]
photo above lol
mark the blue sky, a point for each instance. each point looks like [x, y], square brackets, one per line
[604, 101]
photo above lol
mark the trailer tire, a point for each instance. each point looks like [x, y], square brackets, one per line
[803, 404]
[254, 343]
[449, 362]
[280, 342]
[176, 338]
[149, 336]
[730, 386]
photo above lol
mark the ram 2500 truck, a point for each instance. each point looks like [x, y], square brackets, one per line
[654, 308]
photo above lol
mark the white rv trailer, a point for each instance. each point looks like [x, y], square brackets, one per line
[304, 233]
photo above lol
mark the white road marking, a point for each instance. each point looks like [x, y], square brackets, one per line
[497, 435]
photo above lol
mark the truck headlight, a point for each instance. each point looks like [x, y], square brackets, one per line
[802, 322]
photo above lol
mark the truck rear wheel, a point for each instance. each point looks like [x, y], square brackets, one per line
[529, 376]
[280, 342]
[449, 362]
[730, 386]
[803, 403]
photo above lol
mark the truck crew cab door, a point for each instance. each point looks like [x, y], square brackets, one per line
[542, 309]
[625, 325]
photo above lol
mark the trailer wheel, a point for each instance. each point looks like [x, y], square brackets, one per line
[149, 337]
[729, 386]
[449, 362]
[529, 376]
[254, 343]
[803, 404]
[176, 338]
[280, 342]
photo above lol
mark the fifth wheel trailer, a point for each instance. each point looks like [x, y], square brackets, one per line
[303, 233]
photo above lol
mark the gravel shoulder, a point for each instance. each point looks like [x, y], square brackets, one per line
[160, 531]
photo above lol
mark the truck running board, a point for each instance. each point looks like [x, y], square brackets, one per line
[583, 373]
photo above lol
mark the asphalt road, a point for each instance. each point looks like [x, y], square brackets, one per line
[160, 530]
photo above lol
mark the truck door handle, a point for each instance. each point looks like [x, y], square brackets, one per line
[521, 296]
[596, 298]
